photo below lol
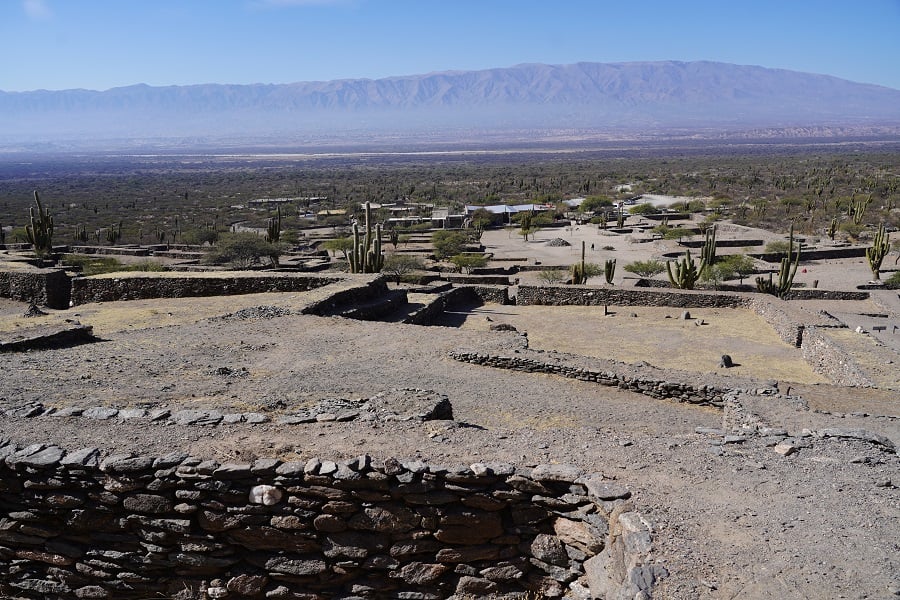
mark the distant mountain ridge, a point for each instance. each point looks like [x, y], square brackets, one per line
[626, 96]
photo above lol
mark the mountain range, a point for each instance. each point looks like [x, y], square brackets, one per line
[622, 97]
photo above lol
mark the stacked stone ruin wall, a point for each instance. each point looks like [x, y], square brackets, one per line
[435, 309]
[109, 289]
[127, 526]
[704, 395]
[819, 350]
[45, 287]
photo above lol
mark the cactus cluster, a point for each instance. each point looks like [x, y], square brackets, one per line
[365, 256]
[686, 272]
[39, 232]
[579, 270]
[857, 208]
[881, 245]
[81, 234]
[620, 218]
[609, 270]
[273, 227]
[785, 273]
[114, 234]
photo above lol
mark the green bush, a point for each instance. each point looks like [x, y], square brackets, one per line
[243, 250]
[449, 243]
[779, 247]
[645, 208]
[467, 262]
[645, 268]
[97, 265]
[893, 282]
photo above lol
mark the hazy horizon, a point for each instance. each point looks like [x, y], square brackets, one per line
[105, 44]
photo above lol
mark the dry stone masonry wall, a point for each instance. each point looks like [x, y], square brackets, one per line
[136, 287]
[655, 388]
[78, 525]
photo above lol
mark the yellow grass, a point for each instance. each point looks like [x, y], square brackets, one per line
[651, 337]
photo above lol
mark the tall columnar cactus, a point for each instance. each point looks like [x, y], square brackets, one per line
[609, 270]
[273, 227]
[365, 256]
[857, 209]
[785, 273]
[579, 270]
[114, 234]
[620, 218]
[604, 219]
[881, 245]
[39, 232]
[708, 254]
[832, 228]
[81, 234]
[686, 272]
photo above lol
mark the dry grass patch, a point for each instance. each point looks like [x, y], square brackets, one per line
[670, 343]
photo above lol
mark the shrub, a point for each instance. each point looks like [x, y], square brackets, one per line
[399, 265]
[645, 208]
[893, 282]
[645, 268]
[467, 262]
[243, 250]
[449, 243]
[552, 276]
[778, 247]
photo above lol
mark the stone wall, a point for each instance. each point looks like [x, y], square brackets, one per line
[111, 250]
[701, 394]
[600, 296]
[163, 285]
[77, 525]
[828, 358]
[479, 294]
[46, 287]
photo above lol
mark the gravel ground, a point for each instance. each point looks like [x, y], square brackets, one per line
[734, 520]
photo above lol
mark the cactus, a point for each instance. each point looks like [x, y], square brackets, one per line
[81, 234]
[160, 235]
[40, 231]
[609, 269]
[686, 272]
[708, 254]
[273, 227]
[365, 256]
[604, 219]
[2, 235]
[114, 234]
[785, 273]
[857, 209]
[881, 245]
[579, 271]
[620, 218]
[832, 228]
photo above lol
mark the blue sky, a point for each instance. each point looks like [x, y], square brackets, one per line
[99, 44]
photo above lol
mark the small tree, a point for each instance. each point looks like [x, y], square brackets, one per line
[645, 268]
[342, 245]
[243, 250]
[399, 265]
[738, 264]
[552, 276]
[449, 243]
[467, 262]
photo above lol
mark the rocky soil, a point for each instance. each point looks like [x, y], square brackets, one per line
[767, 499]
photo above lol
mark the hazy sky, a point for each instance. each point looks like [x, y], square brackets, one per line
[99, 44]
